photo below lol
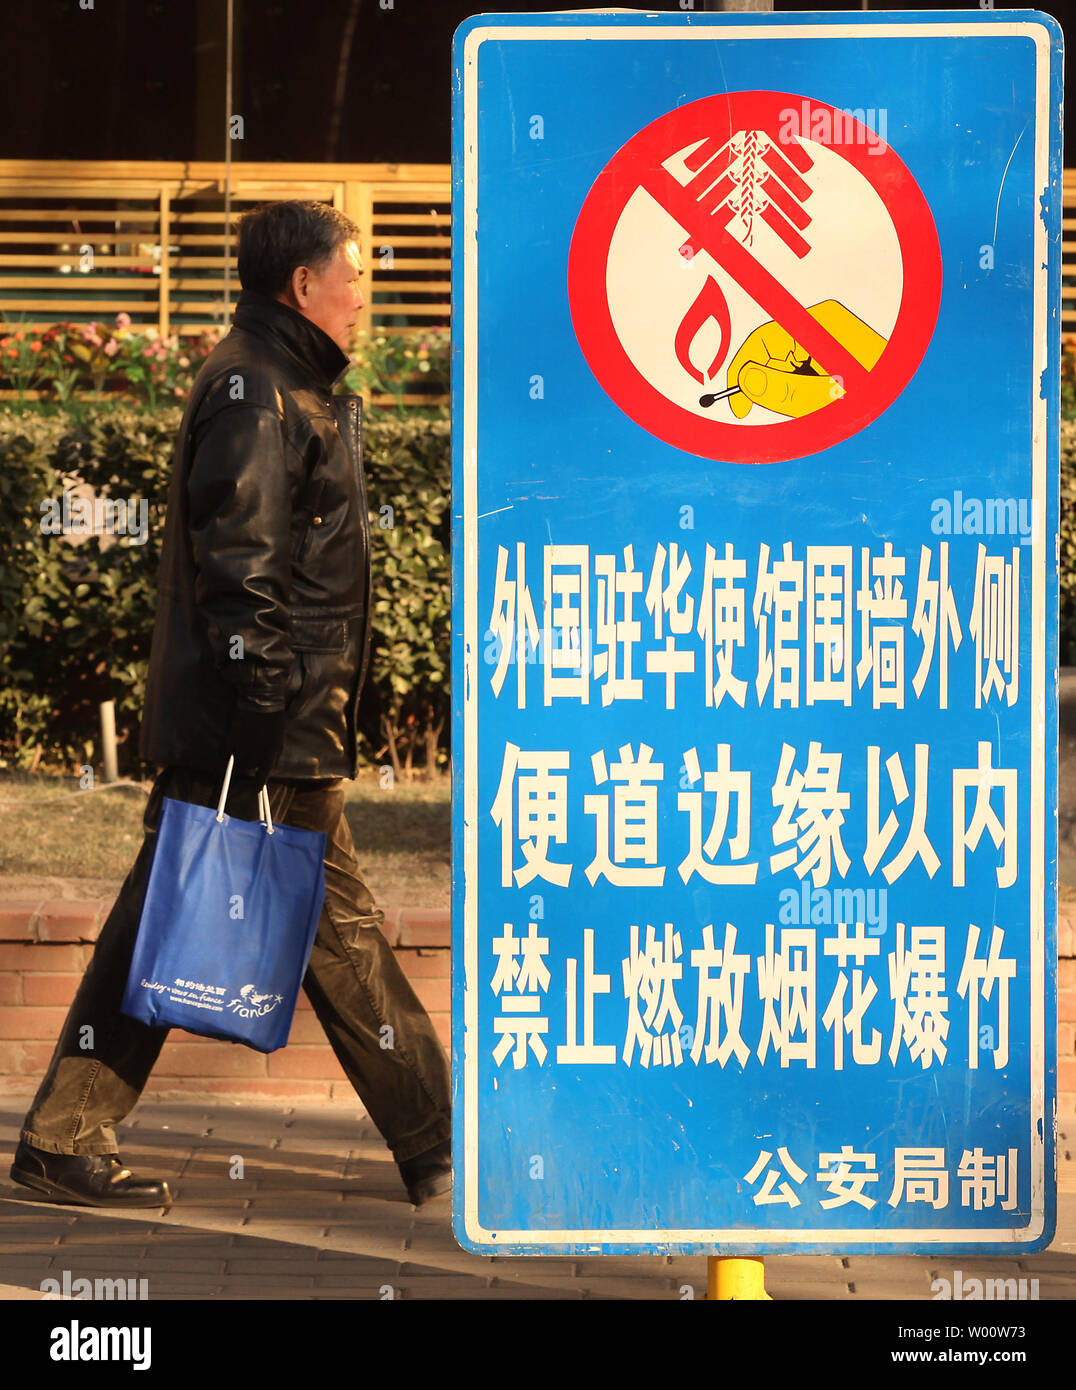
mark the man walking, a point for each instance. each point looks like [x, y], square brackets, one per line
[259, 652]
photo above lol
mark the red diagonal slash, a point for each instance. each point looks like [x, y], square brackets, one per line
[771, 296]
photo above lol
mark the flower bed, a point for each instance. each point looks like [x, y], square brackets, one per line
[124, 364]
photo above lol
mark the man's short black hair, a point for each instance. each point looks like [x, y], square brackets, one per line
[278, 237]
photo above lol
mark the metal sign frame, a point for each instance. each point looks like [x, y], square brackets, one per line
[477, 910]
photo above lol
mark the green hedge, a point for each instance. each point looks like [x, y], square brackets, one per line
[76, 614]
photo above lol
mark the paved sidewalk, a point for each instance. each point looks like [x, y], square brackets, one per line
[319, 1213]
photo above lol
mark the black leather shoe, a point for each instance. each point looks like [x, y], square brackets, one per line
[428, 1175]
[96, 1180]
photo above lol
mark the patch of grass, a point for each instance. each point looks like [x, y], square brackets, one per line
[403, 839]
[50, 829]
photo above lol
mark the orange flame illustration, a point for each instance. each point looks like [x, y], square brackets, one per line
[709, 304]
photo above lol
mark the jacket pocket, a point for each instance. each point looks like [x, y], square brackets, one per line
[309, 513]
[319, 634]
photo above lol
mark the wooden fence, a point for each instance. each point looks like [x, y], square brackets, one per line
[82, 240]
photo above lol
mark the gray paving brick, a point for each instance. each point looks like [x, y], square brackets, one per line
[41, 1223]
[476, 1295]
[201, 1245]
[303, 1149]
[1059, 1262]
[180, 1265]
[160, 1278]
[369, 1273]
[195, 1197]
[273, 1260]
[436, 1285]
[317, 1190]
[332, 1119]
[553, 1264]
[316, 1215]
[342, 1296]
[114, 1236]
[334, 1255]
[808, 1293]
[891, 1288]
[973, 1265]
[782, 1264]
[651, 1266]
[246, 1294]
[888, 1263]
[659, 1288]
[180, 1294]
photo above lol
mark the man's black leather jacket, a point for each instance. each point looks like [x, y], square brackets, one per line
[264, 581]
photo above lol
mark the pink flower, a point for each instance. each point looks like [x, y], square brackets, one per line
[112, 347]
[123, 320]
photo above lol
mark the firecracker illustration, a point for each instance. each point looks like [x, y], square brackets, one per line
[745, 181]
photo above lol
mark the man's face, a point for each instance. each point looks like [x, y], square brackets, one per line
[329, 295]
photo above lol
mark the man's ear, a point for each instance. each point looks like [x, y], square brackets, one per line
[298, 287]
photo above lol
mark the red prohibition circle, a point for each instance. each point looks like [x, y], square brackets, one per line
[867, 397]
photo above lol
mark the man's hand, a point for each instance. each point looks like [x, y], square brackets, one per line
[255, 739]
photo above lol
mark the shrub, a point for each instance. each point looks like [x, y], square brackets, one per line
[76, 613]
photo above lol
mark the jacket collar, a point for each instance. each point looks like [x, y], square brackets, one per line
[303, 340]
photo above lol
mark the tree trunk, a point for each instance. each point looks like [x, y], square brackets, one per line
[431, 735]
[390, 729]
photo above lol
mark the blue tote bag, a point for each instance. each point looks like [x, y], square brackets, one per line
[228, 922]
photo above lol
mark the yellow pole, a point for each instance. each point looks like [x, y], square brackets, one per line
[738, 1277]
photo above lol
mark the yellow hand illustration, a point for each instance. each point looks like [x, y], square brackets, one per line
[773, 370]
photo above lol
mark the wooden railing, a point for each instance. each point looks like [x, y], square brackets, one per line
[1068, 252]
[83, 240]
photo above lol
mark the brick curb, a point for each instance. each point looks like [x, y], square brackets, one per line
[46, 943]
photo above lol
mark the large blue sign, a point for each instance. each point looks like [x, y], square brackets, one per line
[755, 504]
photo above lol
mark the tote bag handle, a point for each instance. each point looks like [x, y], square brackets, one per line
[263, 799]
